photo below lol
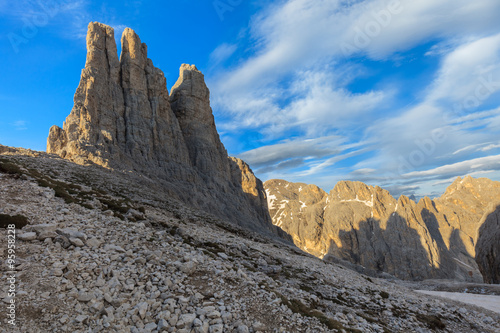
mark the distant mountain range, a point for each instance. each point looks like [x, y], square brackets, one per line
[366, 226]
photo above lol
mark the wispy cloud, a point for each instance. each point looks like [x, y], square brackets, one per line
[460, 168]
[298, 79]
[20, 125]
[293, 149]
[222, 53]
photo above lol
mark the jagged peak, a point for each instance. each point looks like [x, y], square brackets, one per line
[404, 200]
[132, 47]
[191, 81]
[101, 46]
[189, 68]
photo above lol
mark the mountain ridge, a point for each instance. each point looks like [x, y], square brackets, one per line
[366, 226]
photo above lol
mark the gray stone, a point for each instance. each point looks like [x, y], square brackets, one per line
[84, 297]
[82, 319]
[242, 329]
[162, 325]
[188, 267]
[71, 233]
[143, 308]
[27, 236]
[188, 319]
[76, 242]
[216, 328]
[93, 242]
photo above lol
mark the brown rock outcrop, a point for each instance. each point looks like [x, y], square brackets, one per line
[124, 118]
[366, 226]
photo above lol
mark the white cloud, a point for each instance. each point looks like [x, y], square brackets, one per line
[407, 139]
[222, 53]
[299, 73]
[300, 33]
[490, 147]
[317, 148]
[461, 168]
[470, 74]
[20, 125]
[297, 40]
[119, 28]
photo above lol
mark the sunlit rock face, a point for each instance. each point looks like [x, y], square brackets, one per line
[366, 226]
[124, 118]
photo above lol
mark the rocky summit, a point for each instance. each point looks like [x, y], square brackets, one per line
[367, 227]
[124, 118]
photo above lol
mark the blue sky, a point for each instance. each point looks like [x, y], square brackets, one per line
[397, 93]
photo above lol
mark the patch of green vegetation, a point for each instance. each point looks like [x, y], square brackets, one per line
[384, 295]
[173, 231]
[367, 318]
[118, 206]
[398, 312]
[306, 288]
[18, 220]
[298, 307]
[212, 246]
[367, 278]
[432, 321]
[61, 189]
[341, 298]
[6, 166]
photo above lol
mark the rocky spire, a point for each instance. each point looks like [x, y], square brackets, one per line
[190, 100]
[124, 118]
[121, 116]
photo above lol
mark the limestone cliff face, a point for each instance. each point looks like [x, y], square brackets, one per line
[488, 246]
[124, 118]
[367, 226]
[121, 116]
[190, 100]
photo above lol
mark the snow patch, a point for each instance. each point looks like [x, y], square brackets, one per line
[460, 261]
[367, 203]
[271, 198]
[283, 204]
[490, 302]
